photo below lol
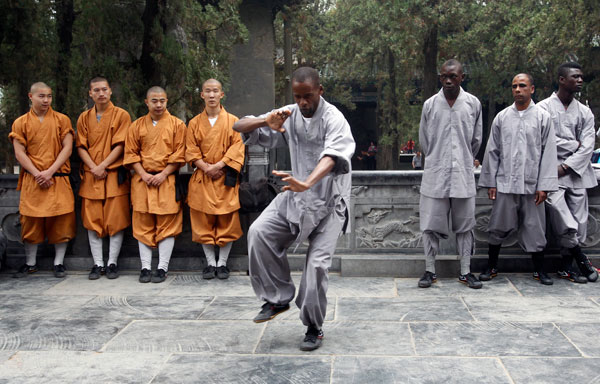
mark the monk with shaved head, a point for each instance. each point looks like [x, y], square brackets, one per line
[43, 142]
[104, 186]
[154, 149]
[217, 153]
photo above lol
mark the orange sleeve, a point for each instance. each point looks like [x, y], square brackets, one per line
[234, 157]
[120, 127]
[192, 148]
[82, 132]
[178, 155]
[65, 127]
[132, 145]
[18, 132]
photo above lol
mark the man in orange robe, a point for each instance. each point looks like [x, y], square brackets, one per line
[43, 142]
[104, 195]
[217, 152]
[154, 148]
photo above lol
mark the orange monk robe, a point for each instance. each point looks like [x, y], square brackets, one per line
[214, 206]
[154, 147]
[105, 204]
[213, 144]
[43, 142]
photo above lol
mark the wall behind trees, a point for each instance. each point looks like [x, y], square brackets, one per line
[176, 44]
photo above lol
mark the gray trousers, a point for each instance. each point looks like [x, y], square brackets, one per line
[568, 215]
[269, 237]
[512, 212]
[435, 217]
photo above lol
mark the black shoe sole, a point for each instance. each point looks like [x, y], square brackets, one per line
[270, 318]
[208, 277]
[487, 278]
[310, 348]
[93, 277]
[544, 282]
[427, 285]
[572, 279]
[467, 284]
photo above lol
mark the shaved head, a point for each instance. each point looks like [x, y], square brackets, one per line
[35, 87]
[453, 63]
[155, 89]
[98, 79]
[306, 75]
[212, 81]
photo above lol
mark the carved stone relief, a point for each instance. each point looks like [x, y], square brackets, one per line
[388, 228]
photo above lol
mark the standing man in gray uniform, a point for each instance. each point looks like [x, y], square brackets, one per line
[575, 139]
[450, 136]
[519, 170]
[313, 206]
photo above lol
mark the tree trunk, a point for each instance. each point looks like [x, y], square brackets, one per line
[430, 52]
[65, 16]
[150, 42]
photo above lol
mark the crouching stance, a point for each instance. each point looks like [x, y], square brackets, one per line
[312, 207]
[154, 148]
[43, 142]
[518, 170]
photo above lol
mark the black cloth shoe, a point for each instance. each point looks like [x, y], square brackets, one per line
[488, 275]
[586, 267]
[159, 276]
[59, 271]
[470, 281]
[112, 272]
[223, 272]
[269, 311]
[543, 278]
[427, 279]
[145, 276]
[96, 272]
[209, 272]
[24, 270]
[312, 339]
[572, 276]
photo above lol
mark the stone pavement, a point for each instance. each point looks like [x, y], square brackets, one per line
[378, 330]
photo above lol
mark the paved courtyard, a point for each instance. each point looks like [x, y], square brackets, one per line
[378, 330]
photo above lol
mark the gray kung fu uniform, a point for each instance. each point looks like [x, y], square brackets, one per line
[575, 139]
[318, 214]
[449, 138]
[520, 160]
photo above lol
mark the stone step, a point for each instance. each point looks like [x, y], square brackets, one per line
[351, 265]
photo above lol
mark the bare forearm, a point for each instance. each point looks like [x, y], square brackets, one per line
[85, 157]
[324, 166]
[64, 153]
[249, 124]
[116, 152]
[137, 167]
[23, 159]
[170, 168]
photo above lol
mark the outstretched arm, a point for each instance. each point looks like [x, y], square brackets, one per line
[273, 120]
[324, 166]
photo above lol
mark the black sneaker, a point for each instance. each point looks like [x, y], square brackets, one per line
[269, 311]
[25, 270]
[159, 276]
[112, 272]
[489, 274]
[223, 272]
[312, 339]
[427, 279]
[145, 276]
[96, 272]
[59, 271]
[209, 272]
[572, 276]
[586, 268]
[543, 278]
[470, 280]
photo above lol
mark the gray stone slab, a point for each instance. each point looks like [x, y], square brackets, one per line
[586, 336]
[432, 370]
[80, 367]
[399, 309]
[547, 370]
[195, 285]
[29, 285]
[544, 309]
[530, 287]
[56, 334]
[5, 355]
[451, 287]
[125, 285]
[143, 307]
[340, 338]
[187, 336]
[360, 286]
[479, 339]
[246, 308]
[19, 306]
[231, 369]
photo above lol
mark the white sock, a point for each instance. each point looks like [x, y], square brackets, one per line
[209, 251]
[116, 241]
[96, 248]
[145, 255]
[165, 249]
[30, 253]
[224, 254]
[59, 253]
